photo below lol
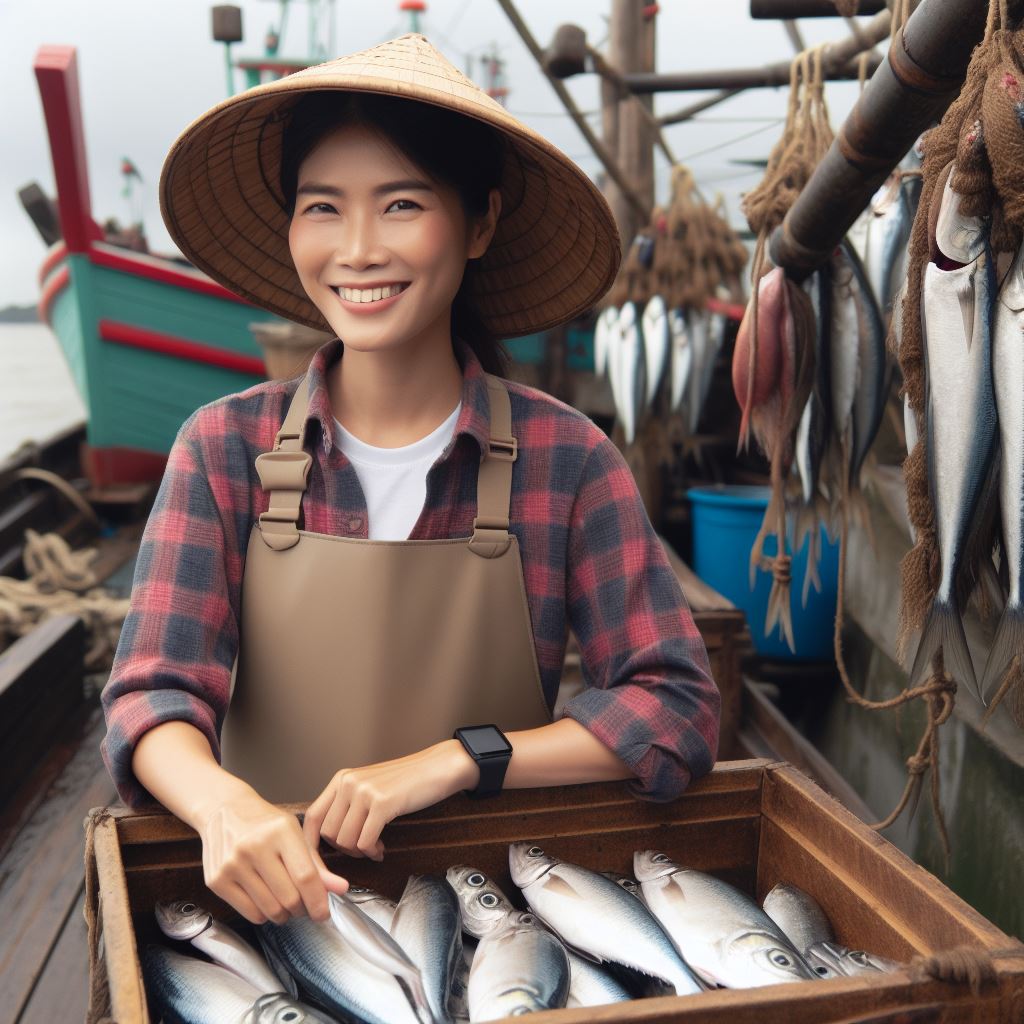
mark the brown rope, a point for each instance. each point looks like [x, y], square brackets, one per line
[963, 965]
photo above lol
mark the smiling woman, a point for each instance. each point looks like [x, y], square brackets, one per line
[356, 587]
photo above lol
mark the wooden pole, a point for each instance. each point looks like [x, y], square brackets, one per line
[621, 179]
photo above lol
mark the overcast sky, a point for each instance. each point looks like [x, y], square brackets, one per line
[148, 67]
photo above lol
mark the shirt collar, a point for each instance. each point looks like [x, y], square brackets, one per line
[474, 418]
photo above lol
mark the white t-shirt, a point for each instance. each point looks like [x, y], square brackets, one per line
[394, 480]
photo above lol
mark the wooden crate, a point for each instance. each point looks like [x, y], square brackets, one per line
[753, 823]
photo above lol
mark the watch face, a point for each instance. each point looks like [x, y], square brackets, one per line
[485, 740]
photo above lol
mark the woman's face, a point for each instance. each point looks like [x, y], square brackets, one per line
[379, 247]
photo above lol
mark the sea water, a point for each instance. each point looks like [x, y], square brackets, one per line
[38, 397]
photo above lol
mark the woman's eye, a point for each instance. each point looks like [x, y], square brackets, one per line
[320, 208]
[410, 205]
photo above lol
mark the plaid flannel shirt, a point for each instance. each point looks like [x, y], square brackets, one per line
[591, 561]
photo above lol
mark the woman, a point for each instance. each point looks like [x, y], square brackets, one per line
[396, 544]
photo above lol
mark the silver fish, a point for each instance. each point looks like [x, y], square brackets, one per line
[519, 969]
[885, 257]
[726, 938]
[625, 882]
[704, 355]
[334, 973]
[485, 908]
[428, 927]
[459, 1003]
[187, 922]
[597, 917]
[373, 905]
[960, 407]
[831, 960]
[192, 991]
[627, 367]
[681, 358]
[604, 333]
[802, 921]
[591, 985]
[1008, 372]
[869, 396]
[844, 329]
[656, 344]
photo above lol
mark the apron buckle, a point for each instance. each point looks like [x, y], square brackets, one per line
[283, 471]
[503, 449]
[491, 538]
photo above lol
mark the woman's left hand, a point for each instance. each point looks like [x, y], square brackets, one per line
[358, 802]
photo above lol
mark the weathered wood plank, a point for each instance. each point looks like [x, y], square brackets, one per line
[62, 991]
[41, 874]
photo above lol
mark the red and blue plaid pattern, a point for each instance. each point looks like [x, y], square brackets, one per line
[591, 561]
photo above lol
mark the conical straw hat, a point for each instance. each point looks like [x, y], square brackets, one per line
[554, 253]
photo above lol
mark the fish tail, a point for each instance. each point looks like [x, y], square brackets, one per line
[1007, 645]
[807, 526]
[944, 631]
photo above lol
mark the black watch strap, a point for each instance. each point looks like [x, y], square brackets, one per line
[491, 750]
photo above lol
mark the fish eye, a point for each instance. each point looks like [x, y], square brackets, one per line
[357, 889]
[535, 851]
[858, 956]
[188, 908]
[779, 958]
[290, 1015]
[527, 919]
[489, 900]
[659, 858]
[823, 971]
[475, 880]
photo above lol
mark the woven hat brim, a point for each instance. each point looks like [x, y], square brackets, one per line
[555, 251]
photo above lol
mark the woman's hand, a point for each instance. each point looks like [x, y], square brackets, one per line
[358, 802]
[255, 858]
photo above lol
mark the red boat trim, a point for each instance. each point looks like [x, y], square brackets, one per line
[179, 348]
[732, 310]
[56, 284]
[57, 252]
[56, 69]
[116, 467]
[163, 271]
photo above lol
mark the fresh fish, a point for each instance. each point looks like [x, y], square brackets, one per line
[428, 927]
[843, 341]
[869, 396]
[885, 256]
[485, 908]
[631, 371]
[772, 315]
[191, 991]
[656, 345]
[604, 337]
[682, 357]
[838, 961]
[459, 1003]
[597, 917]
[728, 940]
[516, 970]
[956, 322]
[802, 921]
[187, 922]
[624, 881]
[591, 985]
[373, 905]
[704, 354]
[335, 974]
[1008, 373]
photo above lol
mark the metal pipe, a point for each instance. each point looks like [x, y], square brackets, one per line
[787, 9]
[912, 88]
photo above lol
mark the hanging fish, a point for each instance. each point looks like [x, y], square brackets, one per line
[703, 357]
[813, 434]
[628, 371]
[1008, 372]
[682, 357]
[869, 395]
[956, 320]
[844, 341]
[885, 256]
[604, 333]
[754, 385]
[909, 419]
[656, 345]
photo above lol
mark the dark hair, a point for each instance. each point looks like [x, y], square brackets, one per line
[453, 149]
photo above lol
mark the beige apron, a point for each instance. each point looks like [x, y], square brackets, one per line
[356, 651]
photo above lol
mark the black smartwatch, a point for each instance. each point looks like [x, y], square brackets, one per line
[487, 745]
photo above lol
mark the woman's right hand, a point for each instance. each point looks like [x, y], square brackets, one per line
[256, 859]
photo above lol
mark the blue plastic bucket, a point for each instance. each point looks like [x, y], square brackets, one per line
[725, 520]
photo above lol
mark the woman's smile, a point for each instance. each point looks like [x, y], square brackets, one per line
[363, 301]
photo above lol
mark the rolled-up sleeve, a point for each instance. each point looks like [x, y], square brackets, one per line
[649, 695]
[180, 636]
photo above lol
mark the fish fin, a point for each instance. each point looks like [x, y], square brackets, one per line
[779, 613]
[1007, 646]
[807, 527]
[944, 631]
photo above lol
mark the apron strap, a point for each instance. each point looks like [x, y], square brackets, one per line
[494, 483]
[283, 472]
